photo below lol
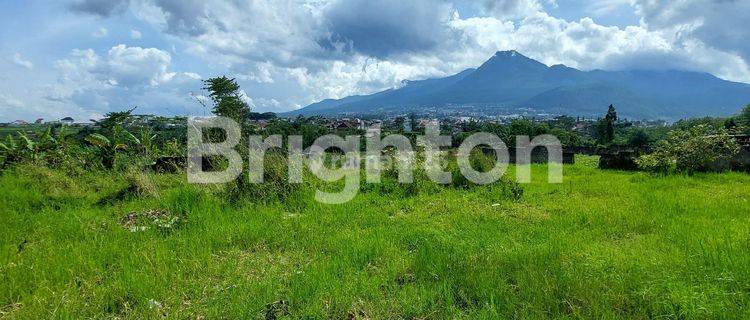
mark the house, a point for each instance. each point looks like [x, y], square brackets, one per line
[260, 124]
[345, 123]
[67, 120]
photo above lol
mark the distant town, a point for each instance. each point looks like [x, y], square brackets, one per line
[406, 122]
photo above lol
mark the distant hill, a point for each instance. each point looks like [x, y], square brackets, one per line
[510, 81]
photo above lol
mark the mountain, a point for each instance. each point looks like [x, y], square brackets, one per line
[509, 82]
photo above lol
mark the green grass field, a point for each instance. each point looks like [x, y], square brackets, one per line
[604, 244]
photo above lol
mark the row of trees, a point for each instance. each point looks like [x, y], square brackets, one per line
[115, 141]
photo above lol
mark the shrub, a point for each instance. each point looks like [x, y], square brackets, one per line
[275, 186]
[657, 162]
[696, 149]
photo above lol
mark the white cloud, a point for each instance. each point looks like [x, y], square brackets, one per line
[604, 7]
[721, 24]
[19, 60]
[512, 9]
[264, 104]
[122, 66]
[100, 33]
[131, 66]
[124, 76]
[135, 34]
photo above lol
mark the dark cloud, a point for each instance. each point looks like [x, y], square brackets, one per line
[721, 24]
[384, 28]
[102, 8]
[185, 16]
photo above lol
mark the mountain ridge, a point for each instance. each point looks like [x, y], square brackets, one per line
[510, 81]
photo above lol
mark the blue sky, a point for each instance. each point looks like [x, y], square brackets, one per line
[83, 58]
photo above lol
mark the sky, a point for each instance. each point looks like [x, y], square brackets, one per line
[84, 58]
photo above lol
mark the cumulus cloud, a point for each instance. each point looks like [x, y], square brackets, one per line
[122, 66]
[135, 34]
[19, 60]
[721, 24]
[130, 66]
[124, 76]
[100, 33]
[282, 32]
[511, 9]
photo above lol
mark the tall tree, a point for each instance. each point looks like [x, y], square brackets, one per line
[228, 102]
[607, 126]
[115, 118]
[413, 121]
[227, 98]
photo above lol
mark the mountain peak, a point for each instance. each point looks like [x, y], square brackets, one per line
[509, 53]
[510, 60]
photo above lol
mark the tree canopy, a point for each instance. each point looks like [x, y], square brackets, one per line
[227, 98]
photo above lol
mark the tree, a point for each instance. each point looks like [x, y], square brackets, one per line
[413, 121]
[730, 124]
[639, 138]
[227, 98]
[521, 127]
[695, 149]
[743, 119]
[398, 124]
[611, 113]
[606, 126]
[115, 118]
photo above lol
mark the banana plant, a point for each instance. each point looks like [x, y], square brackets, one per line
[17, 150]
[121, 140]
[144, 143]
[10, 151]
[106, 148]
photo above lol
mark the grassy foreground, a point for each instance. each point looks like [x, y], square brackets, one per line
[603, 244]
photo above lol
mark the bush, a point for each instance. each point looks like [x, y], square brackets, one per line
[275, 186]
[657, 162]
[696, 149]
